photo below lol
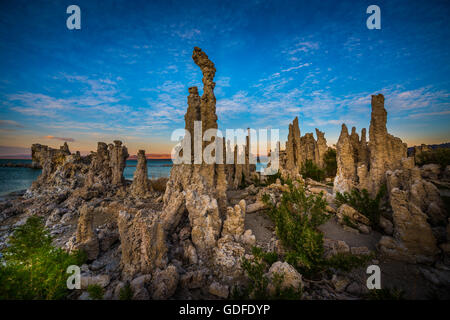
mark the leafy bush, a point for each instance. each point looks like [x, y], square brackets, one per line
[348, 222]
[296, 220]
[330, 163]
[95, 291]
[159, 184]
[257, 289]
[31, 268]
[311, 170]
[363, 203]
[126, 292]
[439, 156]
[347, 261]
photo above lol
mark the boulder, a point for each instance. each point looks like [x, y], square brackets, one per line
[290, 277]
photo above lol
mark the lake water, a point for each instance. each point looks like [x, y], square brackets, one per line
[15, 179]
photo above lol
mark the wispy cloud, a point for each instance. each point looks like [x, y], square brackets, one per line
[297, 67]
[303, 46]
[429, 114]
[59, 138]
[11, 123]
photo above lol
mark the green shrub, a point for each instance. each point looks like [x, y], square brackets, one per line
[31, 268]
[348, 222]
[268, 257]
[330, 163]
[439, 156]
[363, 203]
[296, 220]
[95, 291]
[311, 170]
[126, 292]
[273, 178]
[347, 261]
[256, 269]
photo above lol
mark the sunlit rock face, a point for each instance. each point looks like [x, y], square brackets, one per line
[48, 159]
[386, 151]
[345, 158]
[299, 149]
[107, 165]
[363, 165]
[141, 187]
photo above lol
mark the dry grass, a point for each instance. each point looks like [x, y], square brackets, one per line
[159, 184]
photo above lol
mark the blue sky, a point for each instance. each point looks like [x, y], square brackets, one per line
[125, 74]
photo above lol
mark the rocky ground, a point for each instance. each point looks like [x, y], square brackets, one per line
[62, 216]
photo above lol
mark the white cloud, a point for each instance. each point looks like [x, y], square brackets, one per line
[297, 67]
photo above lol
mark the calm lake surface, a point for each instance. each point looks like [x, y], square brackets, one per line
[15, 179]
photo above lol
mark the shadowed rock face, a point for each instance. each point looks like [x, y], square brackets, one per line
[86, 176]
[300, 149]
[386, 151]
[208, 100]
[321, 147]
[107, 165]
[293, 149]
[363, 165]
[143, 243]
[118, 155]
[345, 158]
[48, 159]
[413, 201]
[141, 186]
[86, 239]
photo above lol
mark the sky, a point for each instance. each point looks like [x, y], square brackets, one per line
[125, 74]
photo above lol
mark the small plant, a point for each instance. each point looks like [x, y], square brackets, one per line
[268, 257]
[330, 164]
[347, 261]
[31, 268]
[256, 269]
[363, 203]
[126, 292]
[296, 221]
[285, 293]
[348, 222]
[311, 170]
[95, 291]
